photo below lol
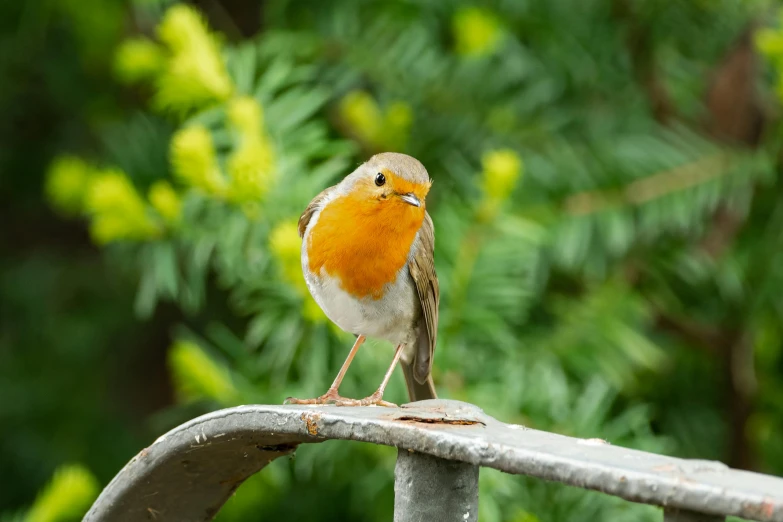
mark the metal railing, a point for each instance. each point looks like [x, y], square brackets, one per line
[188, 473]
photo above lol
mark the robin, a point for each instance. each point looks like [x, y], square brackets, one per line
[367, 257]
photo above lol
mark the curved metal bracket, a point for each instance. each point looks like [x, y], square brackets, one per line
[188, 473]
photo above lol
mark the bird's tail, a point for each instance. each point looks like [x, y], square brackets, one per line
[418, 391]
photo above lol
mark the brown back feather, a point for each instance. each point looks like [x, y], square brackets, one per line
[422, 270]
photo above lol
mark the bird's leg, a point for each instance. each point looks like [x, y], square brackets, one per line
[377, 397]
[332, 395]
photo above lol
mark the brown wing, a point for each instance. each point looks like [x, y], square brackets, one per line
[422, 270]
[311, 209]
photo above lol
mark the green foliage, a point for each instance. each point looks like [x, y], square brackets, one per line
[195, 74]
[601, 260]
[67, 497]
[197, 376]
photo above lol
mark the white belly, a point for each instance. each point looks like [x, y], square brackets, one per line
[391, 318]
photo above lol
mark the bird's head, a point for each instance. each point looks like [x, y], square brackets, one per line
[392, 182]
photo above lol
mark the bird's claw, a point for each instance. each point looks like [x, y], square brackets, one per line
[330, 397]
[376, 399]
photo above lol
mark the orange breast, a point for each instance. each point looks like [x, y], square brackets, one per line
[363, 242]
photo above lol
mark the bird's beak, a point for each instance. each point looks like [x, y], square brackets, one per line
[411, 199]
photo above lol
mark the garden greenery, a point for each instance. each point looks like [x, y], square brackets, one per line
[570, 224]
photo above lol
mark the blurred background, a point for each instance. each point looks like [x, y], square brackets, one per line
[608, 205]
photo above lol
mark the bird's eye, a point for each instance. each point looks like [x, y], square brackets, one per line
[380, 179]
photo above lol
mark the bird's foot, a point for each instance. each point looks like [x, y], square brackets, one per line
[376, 399]
[333, 398]
[330, 397]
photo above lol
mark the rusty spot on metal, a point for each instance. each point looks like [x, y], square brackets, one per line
[767, 506]
[756, 511]
[311, 421]
[440, 420]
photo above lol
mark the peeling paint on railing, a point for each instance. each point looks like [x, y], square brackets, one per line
[188, 473]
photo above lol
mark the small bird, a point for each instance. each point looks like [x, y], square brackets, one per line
[367, 257]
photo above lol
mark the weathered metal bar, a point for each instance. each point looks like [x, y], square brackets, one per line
[430, 489]
[188, 473]
[681, 515]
